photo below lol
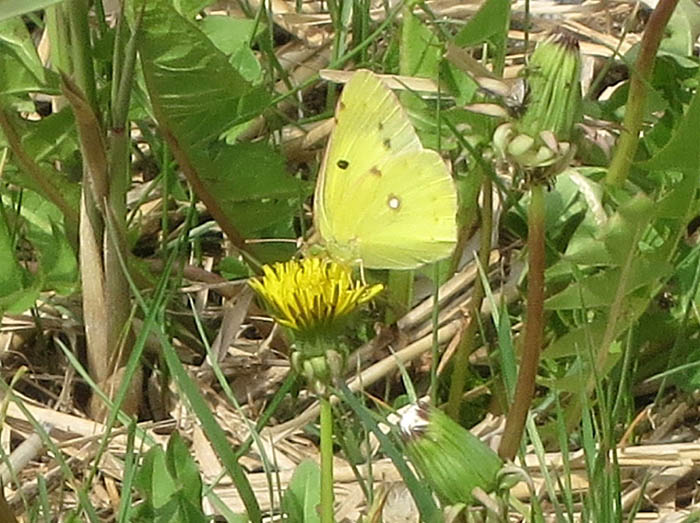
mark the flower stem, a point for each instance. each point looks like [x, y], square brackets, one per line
[466, 346]
[525, 387]
[639, 86]
[326, 460]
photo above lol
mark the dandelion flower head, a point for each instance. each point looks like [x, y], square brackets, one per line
[313, 294]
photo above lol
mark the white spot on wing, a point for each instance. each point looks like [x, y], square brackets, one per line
[394, 202]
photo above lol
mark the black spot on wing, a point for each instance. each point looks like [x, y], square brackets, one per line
[343, 164]
[387, 143]
[375, 171]
[380, 125]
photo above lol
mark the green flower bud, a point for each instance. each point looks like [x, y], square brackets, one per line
[538, 143]
[449, 457]
[555, 91]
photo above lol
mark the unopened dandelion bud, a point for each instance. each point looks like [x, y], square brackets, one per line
[449, 457]
[555, 92]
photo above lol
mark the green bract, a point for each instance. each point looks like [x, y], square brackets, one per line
[449, 457]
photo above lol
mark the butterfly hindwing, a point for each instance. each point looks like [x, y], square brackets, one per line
[381, 198]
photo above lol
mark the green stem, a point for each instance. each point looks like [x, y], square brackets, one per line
[326, 460]
[525, 387]
[641, 75]
[81, 46]
[466, 345]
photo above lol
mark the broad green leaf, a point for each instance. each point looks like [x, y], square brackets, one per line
[12, 274]
[489, 24]
[681, 152]
[250, 182]
[21, 70]
[689, 378]
[233, 37]
[457, 82]
[623, 230]
[599, 290]
[586, 337]
[11, 8]
[184, 470]
[421, 50]
[583, 251]
[232, 268]
[163, 485]
[577, 376]
[18, 290]
[57, 261]
[191, 8]
[683, 29]
[48, 140]
[303, 494]
[197, 95]
[676, 204]
[54, 137]
[171, 486]
[195, 92]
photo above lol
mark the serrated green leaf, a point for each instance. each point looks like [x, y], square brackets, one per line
[600, 289]
[250, 183]
[681, 152]
[54, 137]
[303, 495]
[162, 485]
[21, 70]
[587, 337]
[184, 470]
[12, 8]
[421, 50]
[683, 29]
[194, 90]
[490, 23]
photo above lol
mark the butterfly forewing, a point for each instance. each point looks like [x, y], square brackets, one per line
[381, 198]
[370, 124]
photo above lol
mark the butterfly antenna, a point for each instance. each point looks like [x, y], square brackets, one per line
[362, 272]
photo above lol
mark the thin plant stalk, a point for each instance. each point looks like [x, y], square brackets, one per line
[326, 460]
[467, 344]
[529, 361]
[639, 82]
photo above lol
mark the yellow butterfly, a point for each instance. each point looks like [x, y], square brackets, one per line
[382, 199]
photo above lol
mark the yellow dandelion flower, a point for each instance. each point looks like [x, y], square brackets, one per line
[311, 294]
